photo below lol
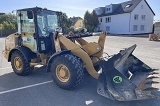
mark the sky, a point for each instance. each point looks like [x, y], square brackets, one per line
[71, 8]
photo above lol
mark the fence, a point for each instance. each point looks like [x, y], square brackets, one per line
[4, 33]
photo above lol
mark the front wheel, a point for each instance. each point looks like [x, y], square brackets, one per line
[67, 71]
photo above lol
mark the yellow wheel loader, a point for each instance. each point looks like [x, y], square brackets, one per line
[39, 40]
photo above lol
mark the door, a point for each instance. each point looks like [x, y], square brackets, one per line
[46, 24]
[26, 28]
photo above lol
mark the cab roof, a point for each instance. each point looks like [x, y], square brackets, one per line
[35, 9]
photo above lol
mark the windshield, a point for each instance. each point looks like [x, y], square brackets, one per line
[47, 22]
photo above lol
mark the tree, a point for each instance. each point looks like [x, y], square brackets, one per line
[66, 22]
[8, 26]
[95, 19]
[87, 20]
[8, 21]
[91, 20]
[1, 26]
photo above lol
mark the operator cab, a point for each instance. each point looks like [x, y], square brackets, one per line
[36, 27]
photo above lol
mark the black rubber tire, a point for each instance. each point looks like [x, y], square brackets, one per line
[26, 69]
[75, 68]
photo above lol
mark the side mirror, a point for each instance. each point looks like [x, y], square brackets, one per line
[30, 14]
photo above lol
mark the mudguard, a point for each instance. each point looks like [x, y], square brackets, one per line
[27, 53]
[124, 78]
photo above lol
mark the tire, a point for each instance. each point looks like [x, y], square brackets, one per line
[73, 71]
[25, 68]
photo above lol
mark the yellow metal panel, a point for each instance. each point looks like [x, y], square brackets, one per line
[101, 42]
[10, 41]
[5, 54]
[91, 48]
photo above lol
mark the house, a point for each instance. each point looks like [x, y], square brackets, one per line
[130, 17]
[2, 13]
[77, 22]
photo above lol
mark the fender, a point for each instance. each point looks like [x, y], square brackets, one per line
[55, 55]
[27, 53]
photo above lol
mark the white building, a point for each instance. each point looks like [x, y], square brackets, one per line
[130, 17]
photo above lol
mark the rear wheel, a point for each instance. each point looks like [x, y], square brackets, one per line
[19, 64]
[67, 71]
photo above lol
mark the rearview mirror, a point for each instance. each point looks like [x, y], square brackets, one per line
[30, 14]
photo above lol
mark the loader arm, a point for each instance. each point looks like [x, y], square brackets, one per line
[77, 50]
[101, 42]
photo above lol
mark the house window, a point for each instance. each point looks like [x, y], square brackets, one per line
[108, 19]
[142, 28]
[135, 27]
[101, 20]
[107, 28]
[136, 17]
[143, 17]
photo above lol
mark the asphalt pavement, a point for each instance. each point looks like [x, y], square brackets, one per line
[38, 89]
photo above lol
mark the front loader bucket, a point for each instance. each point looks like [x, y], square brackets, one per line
[124, 78]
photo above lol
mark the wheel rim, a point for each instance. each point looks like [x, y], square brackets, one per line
[62, 73]
[18, 63]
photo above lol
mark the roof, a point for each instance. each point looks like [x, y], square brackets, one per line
[149, 7]
[35, 9]
[74, 20]
[125, 7]
[2, 13]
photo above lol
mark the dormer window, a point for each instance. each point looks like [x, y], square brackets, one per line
[108, 9]
[128, 5]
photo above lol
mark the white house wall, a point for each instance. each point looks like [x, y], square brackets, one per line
[148, 22]
[123, 23]
[119, 23]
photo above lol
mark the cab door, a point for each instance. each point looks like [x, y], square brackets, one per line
[26, 28]
[44, 36]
